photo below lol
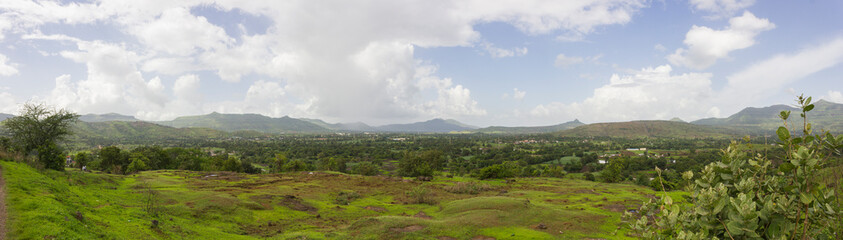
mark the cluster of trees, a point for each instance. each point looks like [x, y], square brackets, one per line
[115, 160]
[38, 131]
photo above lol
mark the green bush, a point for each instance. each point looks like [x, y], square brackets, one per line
[503, 170]
[420, 195]
[346, 197]
[753, 197]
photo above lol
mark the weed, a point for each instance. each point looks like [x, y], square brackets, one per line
[468, 188]
[420, 195]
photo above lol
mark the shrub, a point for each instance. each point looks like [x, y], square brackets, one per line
[504, 170]
[346, 197]
[420, 195]
[468, 188]
[749, 197]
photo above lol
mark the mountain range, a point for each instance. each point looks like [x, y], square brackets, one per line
[749, 121]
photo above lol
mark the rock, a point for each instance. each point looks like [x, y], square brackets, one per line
[154, 223]
[79, 216]
[541, 226]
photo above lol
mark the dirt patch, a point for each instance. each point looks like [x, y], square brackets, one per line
[589, 191]
[615, 207]
[422, 215]
[296, 203]
[289, 201]
[411, 228]
[481, 237]
[376, 209]
[446, 238]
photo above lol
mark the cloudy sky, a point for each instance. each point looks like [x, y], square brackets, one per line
[483, 62]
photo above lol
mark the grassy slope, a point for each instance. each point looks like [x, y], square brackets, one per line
[236, 206]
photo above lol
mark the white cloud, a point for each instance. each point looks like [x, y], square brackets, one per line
[706, 45]
[565, 61]
[343, 61]
[721, 8]
[496, 52]
[659, 47]
[7, 68]
[768, 77]
[651, 93]
[834, 96]
[8, 104]
[180, 33]
[516, 94]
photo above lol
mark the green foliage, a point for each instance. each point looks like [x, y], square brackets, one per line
[748, 197]
[505, 170]
[113, 160]
[589, 177]
[365, 168]
[423, 163]
[468, 188]
[38, 125]
[50, 156]
[613, 172]
[420, 195]
[82, 159]
[138, 163]
[345, 197]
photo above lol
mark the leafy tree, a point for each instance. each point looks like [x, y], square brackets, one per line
[423, 163]
[613, 172]
[279, 162]
[366, 168]
[82, 159]
[138, 163]
[746, 196]
[39, 129]
[113, 159]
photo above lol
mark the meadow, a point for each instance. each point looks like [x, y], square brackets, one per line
[177, 204]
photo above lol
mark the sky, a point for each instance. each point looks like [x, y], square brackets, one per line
[481, 62]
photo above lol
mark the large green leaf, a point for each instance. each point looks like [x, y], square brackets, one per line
[784, 135]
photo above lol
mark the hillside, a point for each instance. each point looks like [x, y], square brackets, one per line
[245, 122]
[826, 115]
[639, 129]
[139, 130]
[107, 118]
[531, 130]
[435, 125]
[351, 127]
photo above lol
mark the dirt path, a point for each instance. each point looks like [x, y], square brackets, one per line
[2, 206]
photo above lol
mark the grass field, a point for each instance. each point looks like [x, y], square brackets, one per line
[222, 205]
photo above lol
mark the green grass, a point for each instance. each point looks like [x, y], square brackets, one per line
[219, 205]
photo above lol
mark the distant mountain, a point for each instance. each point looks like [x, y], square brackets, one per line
[531, 130]
[676, 119]
[351, 127]
[639, 129]
[4, 116]
[245, 122]
[826, 115]
[107, 118]
[435, 125]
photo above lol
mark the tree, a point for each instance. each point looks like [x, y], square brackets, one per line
[745, 196]
[40, 129]
[424, 163]
[82, 159]
[113, 159]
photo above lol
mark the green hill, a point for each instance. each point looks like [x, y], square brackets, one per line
[530, 130]
[139, 130]
[640, 129]
[352, 127]
[434, 125]
[106, 118]
[826, 115]
[245, 122]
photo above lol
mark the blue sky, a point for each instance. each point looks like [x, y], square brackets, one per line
[512, 63]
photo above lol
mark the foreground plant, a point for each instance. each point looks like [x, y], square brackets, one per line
[753, 197]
